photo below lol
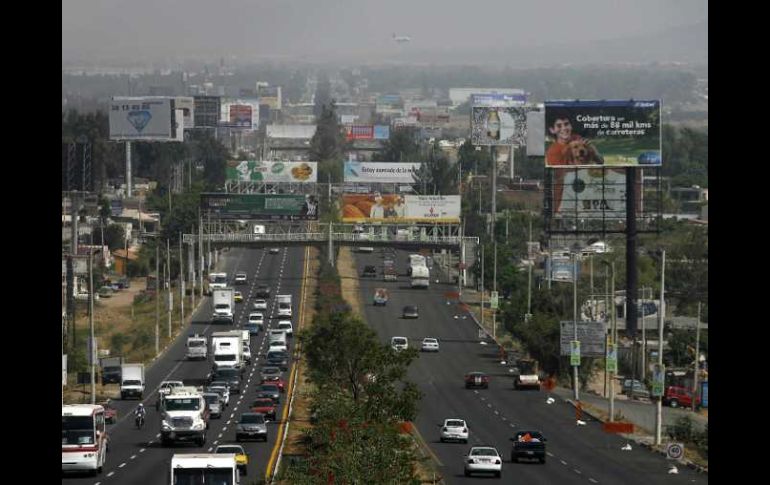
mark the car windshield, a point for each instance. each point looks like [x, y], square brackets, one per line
[267, 371]
[430, 341]
[277, 355]
[182, 404]
[77, 430]
[224, 357]
[532, 434]
[484, 452]
[455, 424]
[230, 449]
[399, 341]
[112, 369]
[220, 279]
[221, 306]
[227, 374]
[196, 343]
[219, 389]
[252, 419]
[197, 476]
[211, 398]
[132, 383]
[284, 325]
[262, 403]
[410, 308]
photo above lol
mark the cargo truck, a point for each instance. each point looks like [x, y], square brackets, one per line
[224, 303]
[196, 347]
[420, 276]
[227, 349]
[284, 305]
[132, 381]
[204, 468]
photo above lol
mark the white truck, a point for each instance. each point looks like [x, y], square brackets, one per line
[415, 260]
[227, 349]
[420, 276]
[224, 304]
[191, 468]
[197, 347]
[284, 305]
[246, 346]
[184, 416]
[132, 381]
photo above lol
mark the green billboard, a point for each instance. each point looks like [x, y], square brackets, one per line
[260, 206]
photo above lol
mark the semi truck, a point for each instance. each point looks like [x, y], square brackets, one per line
[132, 381]
[224, 304]
[227, 349]
[184, 416]
[284, 305]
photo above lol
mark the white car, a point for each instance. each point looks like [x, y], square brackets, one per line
[256, 317]
[277, 345]
[284, 312]
[483, 459]
[429, 345]
[241, 279]
[399, 343]
[274, 250]
[454, 429]
[285, 325]
[223, 391]
[260, 304]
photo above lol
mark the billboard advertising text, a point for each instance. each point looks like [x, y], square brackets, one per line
[271, 171]
[142, 119]
[388, 172]
[561, 268]
[397, 208]
[270, 95]
[240, 116]
[591, 336]
[499, 126]
[359, 132]
[590, 192]
[187, 105]
[206, 111]
[612, 133]
[260, 206]
[496, 100]
[381, 132]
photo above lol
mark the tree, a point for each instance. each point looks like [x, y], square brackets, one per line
[327, 143]
[114, 237]
[437, 175]
[400, 147]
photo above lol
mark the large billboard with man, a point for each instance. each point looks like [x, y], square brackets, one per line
[610, 133]
[260, 206]
[398, 208]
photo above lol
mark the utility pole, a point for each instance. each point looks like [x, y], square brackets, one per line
[529, 273]
[574, 316]
[697, 356]
[200, 250]
[662, 312]
[482, 285]
[181, 282]
[157, 296]
[168, 281]
[644, 334]
[331, 246]
[494, 288]
[614, 332]
[191, 270]
[92, 340]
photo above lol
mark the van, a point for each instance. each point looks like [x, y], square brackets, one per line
[277, 335]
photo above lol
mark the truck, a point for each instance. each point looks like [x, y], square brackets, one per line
[380, 296]
[224, 303]
[189, 468]
[217, 281]
[111, 369]
[132, 381]
[246, 346]
[420, 276]
[415, 260]
[227, 349]
[197, 347]
[284, 305]
[389, 273]
[525, 374]
[184, 416]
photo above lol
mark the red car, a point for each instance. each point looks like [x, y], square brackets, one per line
[264, 406]
[476, 379]
[110, 413]
[679, 396]
[277, 380]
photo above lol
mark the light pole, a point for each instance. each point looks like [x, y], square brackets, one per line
[575, 320]
[92, 344]
[613, 334]
[662, 312]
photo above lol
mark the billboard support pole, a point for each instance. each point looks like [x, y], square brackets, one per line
[331, 248]
[631, 269]
[574, 316]
[128, 169]
[157, 296]
[92, 339]
[661, 314]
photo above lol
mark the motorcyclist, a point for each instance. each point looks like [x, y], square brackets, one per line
[139, 412]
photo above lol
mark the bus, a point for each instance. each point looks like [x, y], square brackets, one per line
[83, 438]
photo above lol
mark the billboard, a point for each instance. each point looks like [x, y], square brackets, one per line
[388, 172]
[430, 114]
[240, 116]
[270, 95]
[388, 104]
[398, 208]
[498, 100]
[535, 133]
[142, 119]
[613, 133]
[271, 171]
[260, 206]
[591, 336]
[560, 268]
[381, 132]
[593, 192]
[187, 105]
[499, 126]
[206, 111]
[359, 132]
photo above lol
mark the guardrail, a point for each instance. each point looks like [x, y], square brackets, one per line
[321, 237]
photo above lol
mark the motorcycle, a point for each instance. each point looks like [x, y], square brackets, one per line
[139, 420]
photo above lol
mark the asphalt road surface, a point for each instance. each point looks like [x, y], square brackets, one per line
[136, 456]
[575, 454]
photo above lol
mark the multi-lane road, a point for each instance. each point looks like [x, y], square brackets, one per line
[575, 454]
[136, 456]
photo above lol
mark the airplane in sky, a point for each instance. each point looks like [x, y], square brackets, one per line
[401, 38]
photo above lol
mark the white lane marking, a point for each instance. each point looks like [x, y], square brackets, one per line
[549, 453]
[211, 449]
[217, 441]
[228, 421]
[122, 465]
[497, 412]
[110, 474]
[563, 462]
[150, 442]
[224, 428]
[142, 450]
[505, 419]
[220, 435]
[157, 435]
[97, 483]
[489, 405]
[577, 471]
[592, 480]
[133, 457]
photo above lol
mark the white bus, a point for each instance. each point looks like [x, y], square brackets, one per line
[83, 438]
[204, 468]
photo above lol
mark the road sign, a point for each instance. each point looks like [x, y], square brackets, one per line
[493, 301]
[612, 357]
[658, 379]
[590, 334]
[574, 353]
[675, 451]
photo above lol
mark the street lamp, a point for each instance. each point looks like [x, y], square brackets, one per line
[613, 334]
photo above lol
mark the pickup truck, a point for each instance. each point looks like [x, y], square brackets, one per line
[525, 374]
[528, 444]
[380, 296]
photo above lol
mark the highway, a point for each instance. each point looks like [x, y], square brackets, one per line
[136, 456]
[575, 454]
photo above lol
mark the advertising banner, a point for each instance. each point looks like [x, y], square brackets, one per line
[611, 357]
[591, 336]
[496, 100]
[187, 105]
[387, 172]
[560, 268]
[260, 206]
[658, 379]
[590, 193]
[398, 208]
[574, 353]
[240, 116]
[206, 111]
[499, 126]
[613, 133]
[359, 132]
[388, 103]
[142, 119]
[270, 95]
[535, 133]
[271, 171]
[348, 119]
[381, 132]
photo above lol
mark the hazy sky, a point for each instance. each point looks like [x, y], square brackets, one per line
[325, 29]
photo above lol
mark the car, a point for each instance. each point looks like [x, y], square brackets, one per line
[272, 390]
[106, 291]
[528, 444]
[262, 291]
[110, 412]
[260, 304]
[253, 328]
[364, 249]
[483, 459]
[241, 279]
[229, 376]
[257, 318]
[369, 271]
[238, 297]
[429, 345]
[264, 406]
[277, 345]
[639, 389]
[399, 343]
[454, 429]
[277, 380]
[165, 389]
[251, 425]
[241, 458]
[275, 250]
[246, 353]
[410, 311]
[476, 379]
[278, 358]
[222, 390]
[215, 403]
[381, 296]
[676, 396]
[285, 325]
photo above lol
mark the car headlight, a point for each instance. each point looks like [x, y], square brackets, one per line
[199, 425]
[165, 426]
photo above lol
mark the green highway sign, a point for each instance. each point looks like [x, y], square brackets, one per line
[260, 206]
[574, 355]
[658, 379]
[612, 357]
[494, 301]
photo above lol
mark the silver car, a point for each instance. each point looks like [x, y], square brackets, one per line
[221, 389]
[251, 425]
[215, 403]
